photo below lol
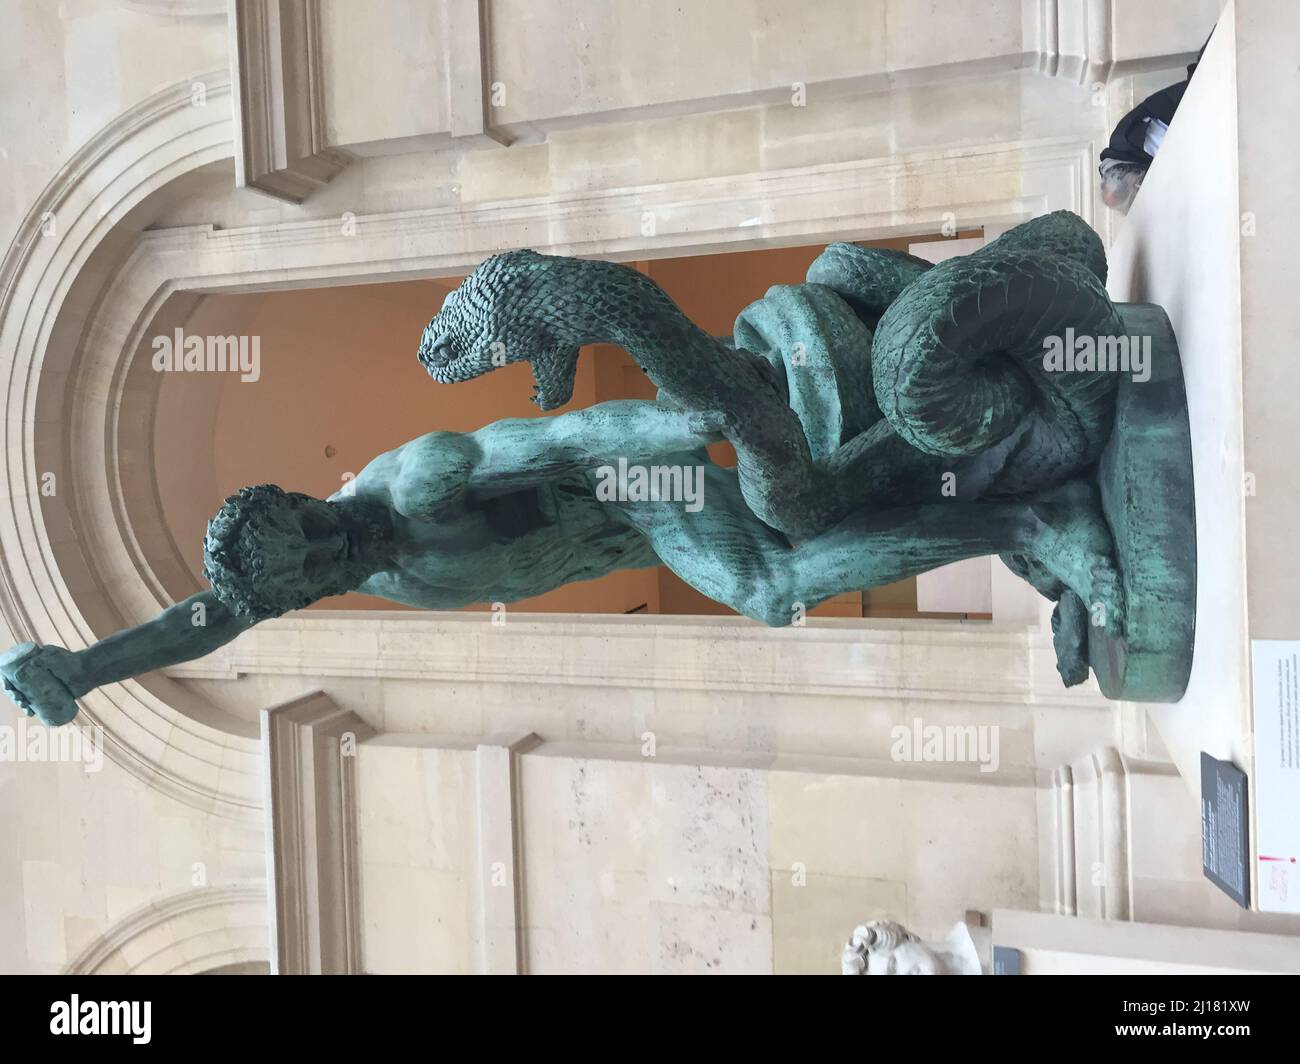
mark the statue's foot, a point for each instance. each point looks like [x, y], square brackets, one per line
[1035, 574]
[1073, 542]
[1070, 638]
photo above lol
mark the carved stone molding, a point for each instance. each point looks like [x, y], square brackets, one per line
[179, 8]
[184, 934]
[468, 91]
[65, 251]
[280, 143]
[991, 664]
[1059, 839]
[1089, 837]
[499, 901]
[1093, 42]
[1052, 944]
[1075, 40]
[308, 747]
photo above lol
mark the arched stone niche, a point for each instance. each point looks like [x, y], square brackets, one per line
[79, 300]
[60, 418]
[198, 932]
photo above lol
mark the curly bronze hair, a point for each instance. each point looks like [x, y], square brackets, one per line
[233, 561]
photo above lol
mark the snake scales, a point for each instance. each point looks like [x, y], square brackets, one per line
[863, 387]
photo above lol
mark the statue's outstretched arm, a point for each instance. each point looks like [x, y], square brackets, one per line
[45, 681]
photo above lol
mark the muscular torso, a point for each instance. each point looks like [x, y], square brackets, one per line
[457, 546]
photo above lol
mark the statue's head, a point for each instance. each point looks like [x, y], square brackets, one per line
[269, 551]
[883, 947]
[503, 313]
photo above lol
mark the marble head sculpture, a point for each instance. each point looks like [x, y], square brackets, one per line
[888, 416]
[882, 947]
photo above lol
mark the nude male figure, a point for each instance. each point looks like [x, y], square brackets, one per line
[510, 511]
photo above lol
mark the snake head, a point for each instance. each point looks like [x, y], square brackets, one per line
[499, 315]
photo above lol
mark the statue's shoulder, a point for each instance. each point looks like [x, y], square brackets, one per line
[439, 451]
[425, 474]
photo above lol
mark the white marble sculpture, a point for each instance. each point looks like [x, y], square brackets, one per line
[882, 947]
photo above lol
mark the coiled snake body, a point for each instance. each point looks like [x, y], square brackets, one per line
[863, 387]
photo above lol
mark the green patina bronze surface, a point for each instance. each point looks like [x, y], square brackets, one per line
[1148, 498]
[888, 417]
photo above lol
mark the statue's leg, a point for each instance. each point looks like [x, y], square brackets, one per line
[872, 548]
[724, 552]
[1062, 532]
[1070, 638]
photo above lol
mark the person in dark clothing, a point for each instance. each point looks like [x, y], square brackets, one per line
[1136, 140]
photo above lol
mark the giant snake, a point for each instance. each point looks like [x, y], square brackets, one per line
[863, 387]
